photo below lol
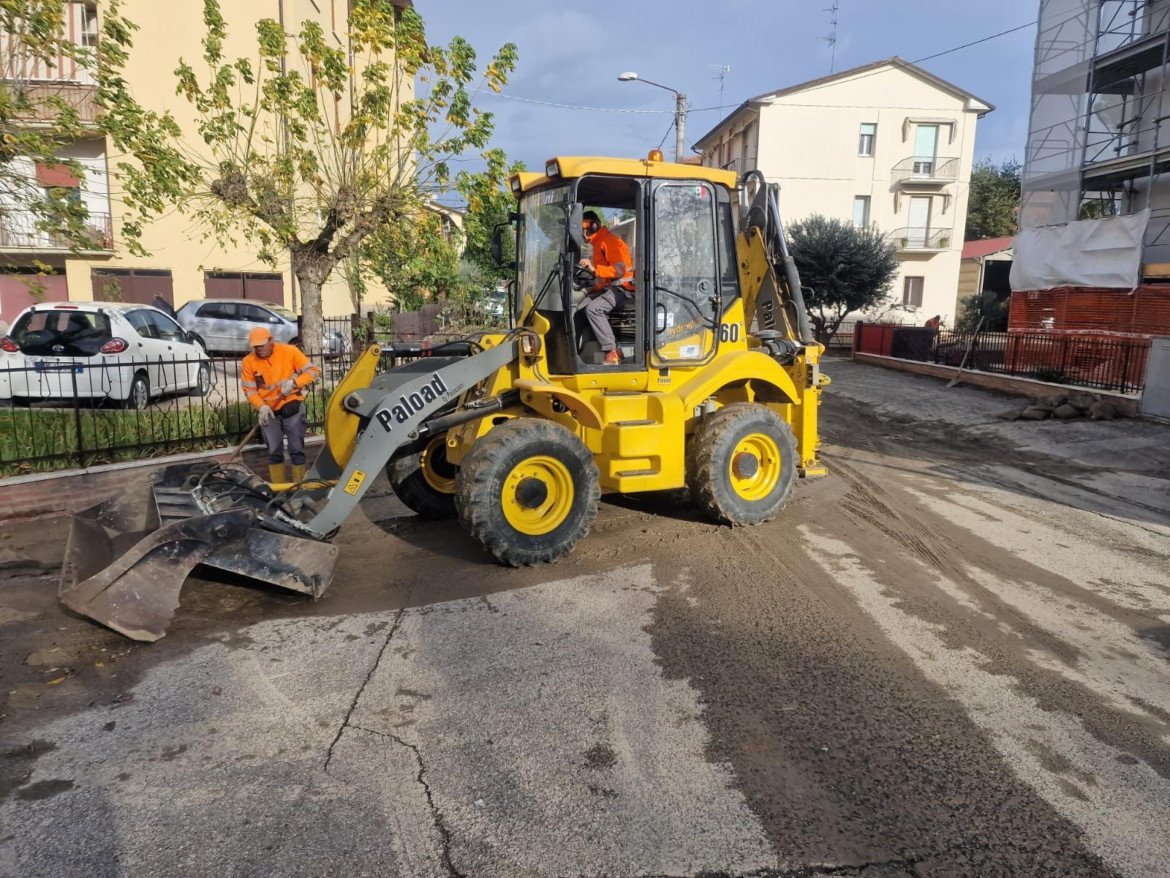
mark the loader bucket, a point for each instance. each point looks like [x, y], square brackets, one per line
[126, 559]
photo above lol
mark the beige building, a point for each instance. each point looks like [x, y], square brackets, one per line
[887, 144]
[181, 265]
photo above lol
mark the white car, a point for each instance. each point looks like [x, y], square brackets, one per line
[122, 352]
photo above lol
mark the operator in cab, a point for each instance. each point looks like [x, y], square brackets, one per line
[614, 272]
[274, 377]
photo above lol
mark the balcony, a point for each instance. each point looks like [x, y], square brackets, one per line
[929, 171]
[19, 232]
[921, 240]
[43, 97]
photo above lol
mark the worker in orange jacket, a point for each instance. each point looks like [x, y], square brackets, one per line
[614, 269]
[274, 377]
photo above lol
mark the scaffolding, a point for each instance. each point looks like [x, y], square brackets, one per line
[1098, 140]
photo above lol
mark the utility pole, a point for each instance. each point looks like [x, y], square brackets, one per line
[680, 124]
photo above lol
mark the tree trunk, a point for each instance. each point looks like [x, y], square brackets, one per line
[312, 269]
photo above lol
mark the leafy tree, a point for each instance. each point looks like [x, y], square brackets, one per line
[488, 205]
[991, 308]
[994, 203]
[37, 118]
[308, 147]
[415, 259]
[843, 268]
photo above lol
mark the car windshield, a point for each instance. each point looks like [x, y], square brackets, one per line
[542, 234]
[64, 333]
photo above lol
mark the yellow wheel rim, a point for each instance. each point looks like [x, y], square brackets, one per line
[537, 495]
[755, 465]
[436, 451]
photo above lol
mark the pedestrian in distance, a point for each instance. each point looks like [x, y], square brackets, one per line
[274, 378]
[163, 305]
[614, 272]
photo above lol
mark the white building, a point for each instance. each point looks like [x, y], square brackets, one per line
[888, 144]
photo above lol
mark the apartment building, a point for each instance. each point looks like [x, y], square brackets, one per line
[887, 144]
[1093, 253]
[181, 265]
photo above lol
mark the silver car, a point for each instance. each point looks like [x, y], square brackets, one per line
[224, 325]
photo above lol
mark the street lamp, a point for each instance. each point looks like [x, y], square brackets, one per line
[680, 109]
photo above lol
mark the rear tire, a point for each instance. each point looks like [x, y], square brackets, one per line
[741, 464]
[139, 396]
[528, 491]
[425, 482]
[202, 381]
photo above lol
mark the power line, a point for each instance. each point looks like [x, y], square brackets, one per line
[950, 51]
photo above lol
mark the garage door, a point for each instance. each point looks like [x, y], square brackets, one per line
[244, 285]
[16, 292]
[137, 285]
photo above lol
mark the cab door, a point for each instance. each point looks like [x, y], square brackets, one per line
[685, 288]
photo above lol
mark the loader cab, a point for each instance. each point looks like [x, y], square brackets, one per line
[682, 244]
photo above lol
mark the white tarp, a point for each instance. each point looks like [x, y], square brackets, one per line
[1089, 253]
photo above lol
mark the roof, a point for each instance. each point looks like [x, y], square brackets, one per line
[89, 306]
[753, 104]
[572, 167]
[986, 246]
[261, 302]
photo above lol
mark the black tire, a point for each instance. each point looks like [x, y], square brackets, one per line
[527, 491]
[202, 381]
[744, 435]
[430, 498]
[139, 396]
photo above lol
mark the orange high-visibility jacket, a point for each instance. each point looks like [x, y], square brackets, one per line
[261, 379]
[608, 251]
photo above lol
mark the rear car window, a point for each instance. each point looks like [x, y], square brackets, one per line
[218, 310]
[61, 333]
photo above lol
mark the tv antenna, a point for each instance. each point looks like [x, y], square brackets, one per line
[721, 71]
[831, 39]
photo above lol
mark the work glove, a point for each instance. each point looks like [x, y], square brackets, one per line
[287, 386]
[265, 415]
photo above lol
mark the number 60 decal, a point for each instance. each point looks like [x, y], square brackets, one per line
[729, 331]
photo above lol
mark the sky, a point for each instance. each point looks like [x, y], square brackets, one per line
[571, 54]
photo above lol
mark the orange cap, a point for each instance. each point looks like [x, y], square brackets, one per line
[259, 336]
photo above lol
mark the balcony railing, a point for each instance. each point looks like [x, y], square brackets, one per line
[43, 98]
[18, 231]
[926, 170]
[921, 239]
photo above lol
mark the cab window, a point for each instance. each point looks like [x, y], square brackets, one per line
[686, 272]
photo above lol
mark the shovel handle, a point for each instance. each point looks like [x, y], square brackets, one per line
[248, 438]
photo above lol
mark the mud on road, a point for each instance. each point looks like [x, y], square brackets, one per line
[952, 657]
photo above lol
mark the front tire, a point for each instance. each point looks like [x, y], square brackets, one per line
[741, 464]
[139, 397]
[528, 491]
[425, 482]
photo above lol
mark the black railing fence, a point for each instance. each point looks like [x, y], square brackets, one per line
[1096, 362]
[65, 412]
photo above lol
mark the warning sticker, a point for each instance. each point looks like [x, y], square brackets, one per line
[355, 481]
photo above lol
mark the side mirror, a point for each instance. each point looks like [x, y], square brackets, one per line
[576, 237]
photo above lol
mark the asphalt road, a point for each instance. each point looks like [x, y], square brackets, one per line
[949, 658]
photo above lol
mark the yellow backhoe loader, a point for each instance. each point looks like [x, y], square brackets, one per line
[518, 433]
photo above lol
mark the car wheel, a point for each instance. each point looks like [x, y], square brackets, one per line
[202, 381]
[139, 396]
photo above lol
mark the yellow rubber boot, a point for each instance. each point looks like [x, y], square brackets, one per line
[299, 470]
[277, 474]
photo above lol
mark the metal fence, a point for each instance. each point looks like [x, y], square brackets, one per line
[1098, 362]
[60, 412]
[64, 412]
